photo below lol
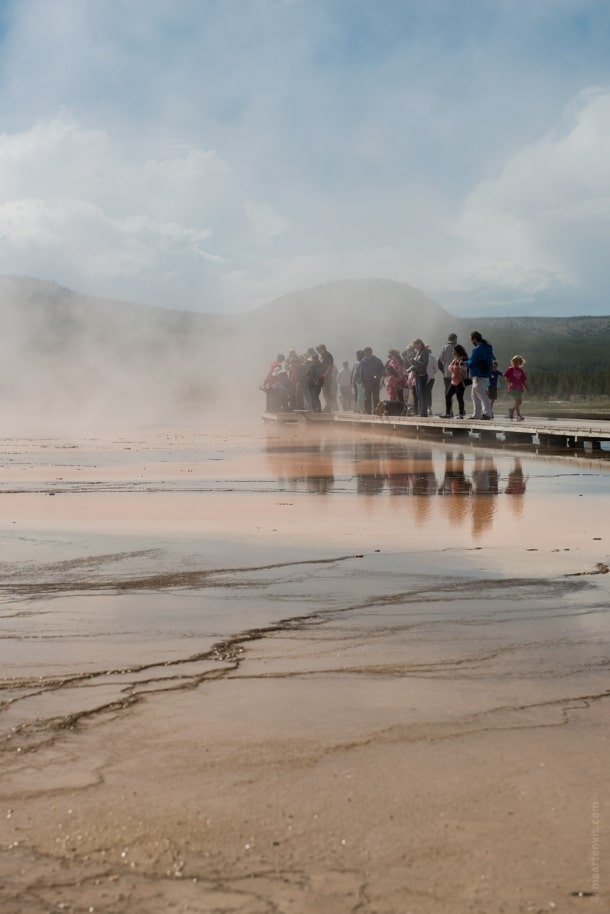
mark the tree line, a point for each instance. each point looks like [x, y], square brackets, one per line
[562, 383]
[565, 357]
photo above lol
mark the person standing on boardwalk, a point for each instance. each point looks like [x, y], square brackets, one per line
[275, 385]
[432, 369]
[480, 366]
[315, 379]
[329, 384]
[445, 358]
[344, 383]
[357, 383]
[370, 372]
[517, 383]
[419, 364]
[492, 386]
[395, 378]
[458, 373]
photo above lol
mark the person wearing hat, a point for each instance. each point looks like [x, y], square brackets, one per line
[445, 358]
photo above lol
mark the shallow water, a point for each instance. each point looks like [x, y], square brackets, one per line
[256, 610]
[126, 553]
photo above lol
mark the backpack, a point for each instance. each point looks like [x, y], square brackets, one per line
[464, 374]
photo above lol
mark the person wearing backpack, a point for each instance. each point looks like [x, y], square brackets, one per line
[458, 375]
[445, 357]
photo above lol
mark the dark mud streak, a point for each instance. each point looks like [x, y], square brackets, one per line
[467, 726]
[160, 487]
[231, 652]
[188, 579]
[600, 568]
[474, 590]
[27, 894]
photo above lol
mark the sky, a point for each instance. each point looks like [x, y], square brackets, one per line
[215, 154]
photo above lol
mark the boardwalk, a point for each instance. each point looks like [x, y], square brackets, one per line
[557, 434]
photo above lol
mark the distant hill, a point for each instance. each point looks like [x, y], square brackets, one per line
[347, 315]
[65, 352]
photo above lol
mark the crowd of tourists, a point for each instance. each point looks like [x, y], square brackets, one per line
[400, 386]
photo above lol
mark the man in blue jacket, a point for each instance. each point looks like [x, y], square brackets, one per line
[480, 367]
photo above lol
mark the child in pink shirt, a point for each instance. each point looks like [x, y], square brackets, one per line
[517, 383]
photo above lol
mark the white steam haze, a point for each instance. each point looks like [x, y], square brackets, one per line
[212, 156]
[71, 361]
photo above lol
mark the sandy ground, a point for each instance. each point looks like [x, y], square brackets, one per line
[264, 672]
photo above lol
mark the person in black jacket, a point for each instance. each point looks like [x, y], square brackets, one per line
[315, 378]
[419, 364]
[445, 358]
[329, 383]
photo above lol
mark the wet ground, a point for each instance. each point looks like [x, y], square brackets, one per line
[300, 670]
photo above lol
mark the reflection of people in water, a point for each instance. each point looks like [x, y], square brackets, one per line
[484, 483]
[516, 479]
[424, 480]
[484, 476]
[482, 515]
[319, 468]
[455, 484]
[299, 466]
[398, 477]
[370, 476]
[454, 481]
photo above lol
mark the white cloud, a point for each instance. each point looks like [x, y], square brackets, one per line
[79, 204]
[216, 155]
[267, 223]
[522, 232]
